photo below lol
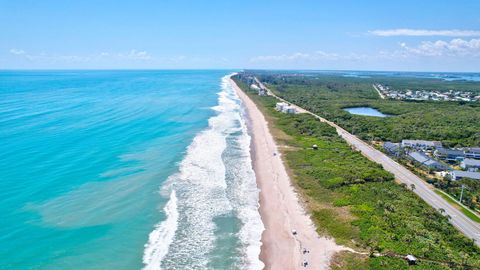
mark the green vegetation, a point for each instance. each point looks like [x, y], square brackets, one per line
[347, 260]
[471, 192]
[355, 201]
[453, 123]
[464, 210]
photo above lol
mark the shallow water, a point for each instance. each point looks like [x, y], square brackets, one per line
[107, 169]
[367, 111]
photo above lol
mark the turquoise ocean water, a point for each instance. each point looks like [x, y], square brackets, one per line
[125, 170]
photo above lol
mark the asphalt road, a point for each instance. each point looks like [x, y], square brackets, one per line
[379, 92]
[467, 226]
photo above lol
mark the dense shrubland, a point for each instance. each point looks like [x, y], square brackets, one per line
[453, 123]
[358, 203]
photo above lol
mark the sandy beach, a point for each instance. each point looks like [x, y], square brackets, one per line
[280, 208]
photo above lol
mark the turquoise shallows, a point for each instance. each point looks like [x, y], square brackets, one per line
[84, 156]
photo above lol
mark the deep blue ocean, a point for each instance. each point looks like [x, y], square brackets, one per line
[125, 170]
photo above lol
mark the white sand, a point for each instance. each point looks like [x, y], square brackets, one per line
[280, 208]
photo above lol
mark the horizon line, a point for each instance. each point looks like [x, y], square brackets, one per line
[220, 69]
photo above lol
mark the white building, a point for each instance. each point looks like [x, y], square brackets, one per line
[262, 92]
[421, 144]
[279, 106]
[457, 175]
[472, 152]
[285, 107]
[470, 164]
[254, 86]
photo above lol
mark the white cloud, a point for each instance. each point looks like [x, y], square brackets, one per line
[178, 58]
[131, 55]
[302, 56]
[457, 49]
[135, 55]
[17, 51]
[282, 57]
[424, 32]
[454, 48]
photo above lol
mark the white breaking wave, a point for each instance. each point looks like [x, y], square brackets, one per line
[246, 192]
[206, 189]
[159, 240]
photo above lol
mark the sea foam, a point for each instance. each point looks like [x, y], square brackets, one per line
[210, 184]
[159, 239]
[244, 190]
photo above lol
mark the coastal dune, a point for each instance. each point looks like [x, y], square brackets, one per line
[280, 208]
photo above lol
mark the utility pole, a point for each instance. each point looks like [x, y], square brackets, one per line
[461, 193]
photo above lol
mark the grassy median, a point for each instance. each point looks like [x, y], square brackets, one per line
[457, 205]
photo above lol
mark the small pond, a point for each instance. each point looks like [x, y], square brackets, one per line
[365, 111]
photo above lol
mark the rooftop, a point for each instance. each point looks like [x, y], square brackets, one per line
[419, 157]
[391, 146]
[423, 142]
[432, 162]
[411, 257]
[462, 174]
[471, 162]
[450, 151]
[473, 150]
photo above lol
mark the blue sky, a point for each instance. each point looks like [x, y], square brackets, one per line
[362, 35]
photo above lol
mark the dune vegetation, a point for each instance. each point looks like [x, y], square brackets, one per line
[357, 202]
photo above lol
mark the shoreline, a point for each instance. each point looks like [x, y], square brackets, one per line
[280, 208]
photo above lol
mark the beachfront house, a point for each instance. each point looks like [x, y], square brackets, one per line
[470, 164]
[449, 154]
[279, 106]
[285, 107]
[426, 161]
[260, 90]
[457, 175]
[421, 144]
